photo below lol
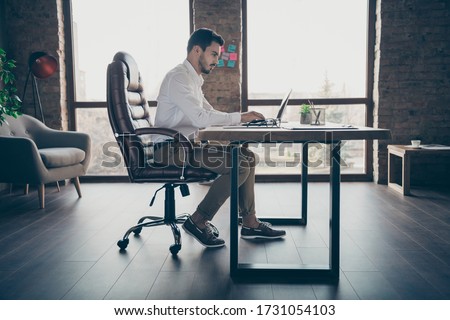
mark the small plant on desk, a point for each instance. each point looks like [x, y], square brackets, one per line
[305, 114]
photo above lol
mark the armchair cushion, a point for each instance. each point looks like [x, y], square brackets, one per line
[61, 157]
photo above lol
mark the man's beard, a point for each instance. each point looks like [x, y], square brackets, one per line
[202, 67]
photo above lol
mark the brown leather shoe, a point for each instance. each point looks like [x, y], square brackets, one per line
[264, 231]
[205, 236]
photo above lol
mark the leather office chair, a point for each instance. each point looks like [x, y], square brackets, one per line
[32, 153]
[129, 116]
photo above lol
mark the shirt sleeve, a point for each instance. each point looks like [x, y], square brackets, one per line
[199, 111]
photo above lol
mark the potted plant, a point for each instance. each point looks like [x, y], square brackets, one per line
[305, 114]
[10, 103]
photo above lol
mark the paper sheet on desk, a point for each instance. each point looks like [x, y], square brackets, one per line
[435, 147]
[249, 127]
[330, 126]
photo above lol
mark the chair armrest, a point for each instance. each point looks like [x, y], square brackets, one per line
[20, 159]
[50, 138]
[174, 134]
[177, 136]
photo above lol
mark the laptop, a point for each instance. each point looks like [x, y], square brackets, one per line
[271, 122]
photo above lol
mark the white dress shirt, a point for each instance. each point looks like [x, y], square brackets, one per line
[183, 107]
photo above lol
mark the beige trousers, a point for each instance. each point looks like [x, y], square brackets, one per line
[217, 158]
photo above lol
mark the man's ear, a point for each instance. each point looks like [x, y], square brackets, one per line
[197, 49]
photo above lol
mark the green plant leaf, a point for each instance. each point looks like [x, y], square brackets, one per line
[305, 108]
[10, 103]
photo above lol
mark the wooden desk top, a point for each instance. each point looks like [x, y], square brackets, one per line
[394, 148]
[315, 134]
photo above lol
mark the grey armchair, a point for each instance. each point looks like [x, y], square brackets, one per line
[32, 153]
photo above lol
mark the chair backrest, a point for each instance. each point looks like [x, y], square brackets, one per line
[23, 126]
[128, 110]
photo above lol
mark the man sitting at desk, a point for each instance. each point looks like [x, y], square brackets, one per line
[182, 106]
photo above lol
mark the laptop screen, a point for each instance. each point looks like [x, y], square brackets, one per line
[283, 105]
[268, 122]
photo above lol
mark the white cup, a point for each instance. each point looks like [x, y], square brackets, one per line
[415, 143]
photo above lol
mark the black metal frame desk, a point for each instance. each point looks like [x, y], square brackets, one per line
[334, 137]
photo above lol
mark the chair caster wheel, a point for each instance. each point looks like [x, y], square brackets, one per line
[137, 231]
[175, 248]
[123, 244]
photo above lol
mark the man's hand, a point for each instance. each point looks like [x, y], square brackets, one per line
[251, 115]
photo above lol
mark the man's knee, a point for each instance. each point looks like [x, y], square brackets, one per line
[250, 156]
[244, 169]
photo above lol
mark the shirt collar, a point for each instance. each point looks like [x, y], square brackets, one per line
[197, 78]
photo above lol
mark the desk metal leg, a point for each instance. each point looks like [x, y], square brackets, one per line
[234, 210]
[335, 191]
[305, 159]
[256, 272]
[302, 220]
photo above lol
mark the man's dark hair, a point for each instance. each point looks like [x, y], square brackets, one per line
[204, 37]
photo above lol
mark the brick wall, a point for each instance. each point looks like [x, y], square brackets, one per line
[412, 79]
[223, 86]
[38, 26]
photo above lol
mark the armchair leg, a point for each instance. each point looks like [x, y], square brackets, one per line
[26, 189]
[57, 186]
[76, 182]
[41, 193]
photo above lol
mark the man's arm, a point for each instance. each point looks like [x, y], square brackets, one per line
[245, 116]
[251, 115]
[181, 94]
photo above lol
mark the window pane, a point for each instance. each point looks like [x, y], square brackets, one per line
[144, 28]
[316, 47]
[106, 158]
[286, 158]
[354, 114]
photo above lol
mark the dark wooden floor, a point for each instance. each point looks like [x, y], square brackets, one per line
[392, 247]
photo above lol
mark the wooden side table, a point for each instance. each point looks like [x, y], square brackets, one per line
[405, 153]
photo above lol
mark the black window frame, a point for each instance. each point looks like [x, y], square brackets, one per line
[72, 103]
[367, 100]
[71, 83]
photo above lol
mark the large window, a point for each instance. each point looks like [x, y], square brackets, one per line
[319, 49]
[154, 32]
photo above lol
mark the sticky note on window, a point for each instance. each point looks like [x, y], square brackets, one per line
[231, 48]
[231, 63]
[220, 63]
[226, 56]
[233, 56]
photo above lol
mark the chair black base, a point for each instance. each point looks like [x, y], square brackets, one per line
[170, 218]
